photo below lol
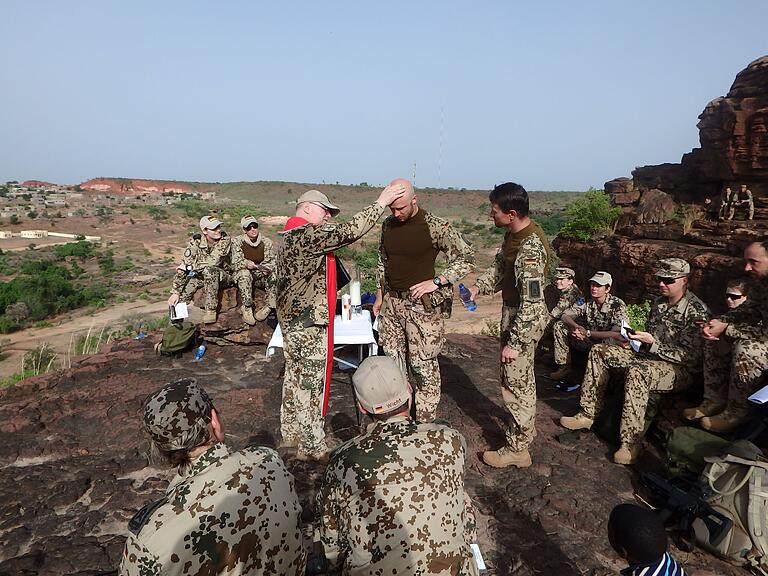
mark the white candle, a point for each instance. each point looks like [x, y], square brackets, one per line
[354, 291]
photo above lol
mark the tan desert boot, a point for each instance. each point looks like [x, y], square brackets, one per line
[209, 317]
[578, 422]
[706, 408]
[722, 423]
[505, 456]
[247, 313]
[561, 373]
[626, 454]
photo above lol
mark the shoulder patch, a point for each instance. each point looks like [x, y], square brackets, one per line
[141, 517]
[188, 252]
[580, 301]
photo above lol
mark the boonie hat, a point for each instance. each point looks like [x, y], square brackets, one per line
[564, 272]
[380, 386]
[209, 222]
[672, 268]
[246, 221]
[602, 278]
[176, 413]
[317, 197]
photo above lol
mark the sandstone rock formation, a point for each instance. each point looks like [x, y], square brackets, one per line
[229, 327]
[132, 187]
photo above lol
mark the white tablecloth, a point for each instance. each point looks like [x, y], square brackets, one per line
[357, 332]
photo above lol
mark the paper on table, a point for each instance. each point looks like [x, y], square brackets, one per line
[634, 344]
[178, 312]
[760, 397]
[478, 557]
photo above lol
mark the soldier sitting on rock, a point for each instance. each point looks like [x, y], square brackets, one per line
[208, 262]
[670, 351]
[582, 325]
[742, 199]
[725, 205]
[257, 252]
[225, 511]
[570, 294]
[392, 500]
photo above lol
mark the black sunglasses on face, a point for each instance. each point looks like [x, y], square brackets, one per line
[666, 281]
[731, 296]
[251, 226]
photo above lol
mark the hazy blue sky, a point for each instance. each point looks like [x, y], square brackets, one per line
[552, 94]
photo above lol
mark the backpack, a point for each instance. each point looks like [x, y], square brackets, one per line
[687, 448]
[178, 336]
[739, 483]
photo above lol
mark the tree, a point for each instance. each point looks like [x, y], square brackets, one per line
[32, 214]
[14, 219]
[588, 215]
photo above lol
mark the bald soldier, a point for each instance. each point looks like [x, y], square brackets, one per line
[225, 512]
[306, 302]
[670, 351]
[392, 500]
[412, 300]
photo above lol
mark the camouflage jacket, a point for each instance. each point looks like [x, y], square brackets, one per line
[568, 298]
[605, 318]
[674, 329]
[392, 501]
[529, 271]
[446, 239]
[750, 320]
[301, 284]
[270, 256]
[199, 254]
[228, 513]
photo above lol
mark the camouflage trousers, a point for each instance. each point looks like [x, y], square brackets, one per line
[211, 278]
[642, 374]
[518, 383]
[414, 337]
[564, 342]
[268, 284]
[301, 417]
[733, 369]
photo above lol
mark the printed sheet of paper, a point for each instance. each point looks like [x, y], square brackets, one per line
[179, 312]
[761, 396]
[634, 344]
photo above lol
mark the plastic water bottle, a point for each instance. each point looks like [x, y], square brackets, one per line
[199, 353]
[466, 298]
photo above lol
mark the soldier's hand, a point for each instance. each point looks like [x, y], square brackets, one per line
[713, 329]
[250, 264]
[474, 290]
[579, 333]
[643, 337]
[418, 290]
[508, 355]
[377, 305]
[390, 194]
[173, 300]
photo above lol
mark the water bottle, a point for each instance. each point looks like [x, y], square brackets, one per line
[466, 298]
[199, 352]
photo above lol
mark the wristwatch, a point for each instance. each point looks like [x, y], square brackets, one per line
[589, 333]
[437, 281]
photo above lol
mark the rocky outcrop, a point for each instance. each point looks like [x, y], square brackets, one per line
[229, 327]
[129, 187]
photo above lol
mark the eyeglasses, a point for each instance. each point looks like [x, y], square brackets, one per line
[731, 296]
[251, 226]
[667, 281]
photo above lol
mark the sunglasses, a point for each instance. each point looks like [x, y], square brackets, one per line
[251, 226]
[731, 296]
[667, 281]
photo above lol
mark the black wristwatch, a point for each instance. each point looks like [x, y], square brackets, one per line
[437, 281]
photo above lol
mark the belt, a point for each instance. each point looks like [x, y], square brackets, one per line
[406, 295]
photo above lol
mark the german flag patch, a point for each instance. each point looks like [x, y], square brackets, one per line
[530, 261]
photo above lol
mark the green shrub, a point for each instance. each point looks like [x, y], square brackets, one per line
[638, 313]
[157, 213]
[81, 249]
[588, 215]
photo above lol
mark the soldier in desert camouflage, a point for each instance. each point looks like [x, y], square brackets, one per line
[519, 271]
[671, 350]
[392, 500]
[225, 512]
[209, 262]
[736, 351]
[412, 299]
[569, 293]
[258, 256]
[306, 302]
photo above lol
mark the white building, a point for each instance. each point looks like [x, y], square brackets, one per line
[33, 233]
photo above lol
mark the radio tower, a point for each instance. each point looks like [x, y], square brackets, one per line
[440, 149]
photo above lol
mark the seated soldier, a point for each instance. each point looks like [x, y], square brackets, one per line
[225, 512]
[736, 350]
[392, 500]
[582, 325]
[206, 264]
[670, 350]
[638, 535]
[570, 294]
[259, 257]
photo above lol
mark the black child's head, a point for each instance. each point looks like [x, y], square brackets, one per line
[636, 533]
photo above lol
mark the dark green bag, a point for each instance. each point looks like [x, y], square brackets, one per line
[608, 422]
[687, 447]
[178, 336]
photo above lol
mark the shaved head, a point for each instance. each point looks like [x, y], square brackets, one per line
[406, 206]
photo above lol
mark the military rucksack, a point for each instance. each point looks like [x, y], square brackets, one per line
[687, 449]
[178, 336]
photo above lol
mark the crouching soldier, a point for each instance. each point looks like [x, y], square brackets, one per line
[206, 264]
[258, 254]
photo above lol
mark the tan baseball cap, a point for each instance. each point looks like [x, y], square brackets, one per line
[564, 272]
[317, 197]
[602, 278]
[209, 223]
[672, 268]
[246, 221]
[380, 386]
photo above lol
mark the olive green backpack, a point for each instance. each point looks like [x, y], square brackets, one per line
[178, 336]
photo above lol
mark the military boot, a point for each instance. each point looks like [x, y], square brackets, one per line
[706, 408]
[561, 373]
[262, 313]
[626, 454]
[247, 313]
[322, 458]
[578, 422]
[722, 423]
[209, 317]
[505, 456]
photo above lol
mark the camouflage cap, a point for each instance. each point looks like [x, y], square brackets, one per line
[380, 385]
[317, 197]
[176, 413]
[209, 223]
[246, 221]
[564, 272]
[672, 268]
[602, 278]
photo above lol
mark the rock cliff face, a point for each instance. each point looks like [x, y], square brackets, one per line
[132, 187]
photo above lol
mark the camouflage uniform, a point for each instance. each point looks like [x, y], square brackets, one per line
[568, 297]
[521, 328]
[226, 512]
[259, 278]
[393, 502]
[664, 366]
[207, 265]
[302, 310]
[605, 318]
[410, 331]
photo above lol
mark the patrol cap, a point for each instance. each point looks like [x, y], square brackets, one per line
[380, 386]
[672, 268]
[246, 221]
[602, 278]
[317, 197]
[176, 413]
[209, 223]
[564, 272]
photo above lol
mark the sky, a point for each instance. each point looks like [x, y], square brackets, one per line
[554, 95]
